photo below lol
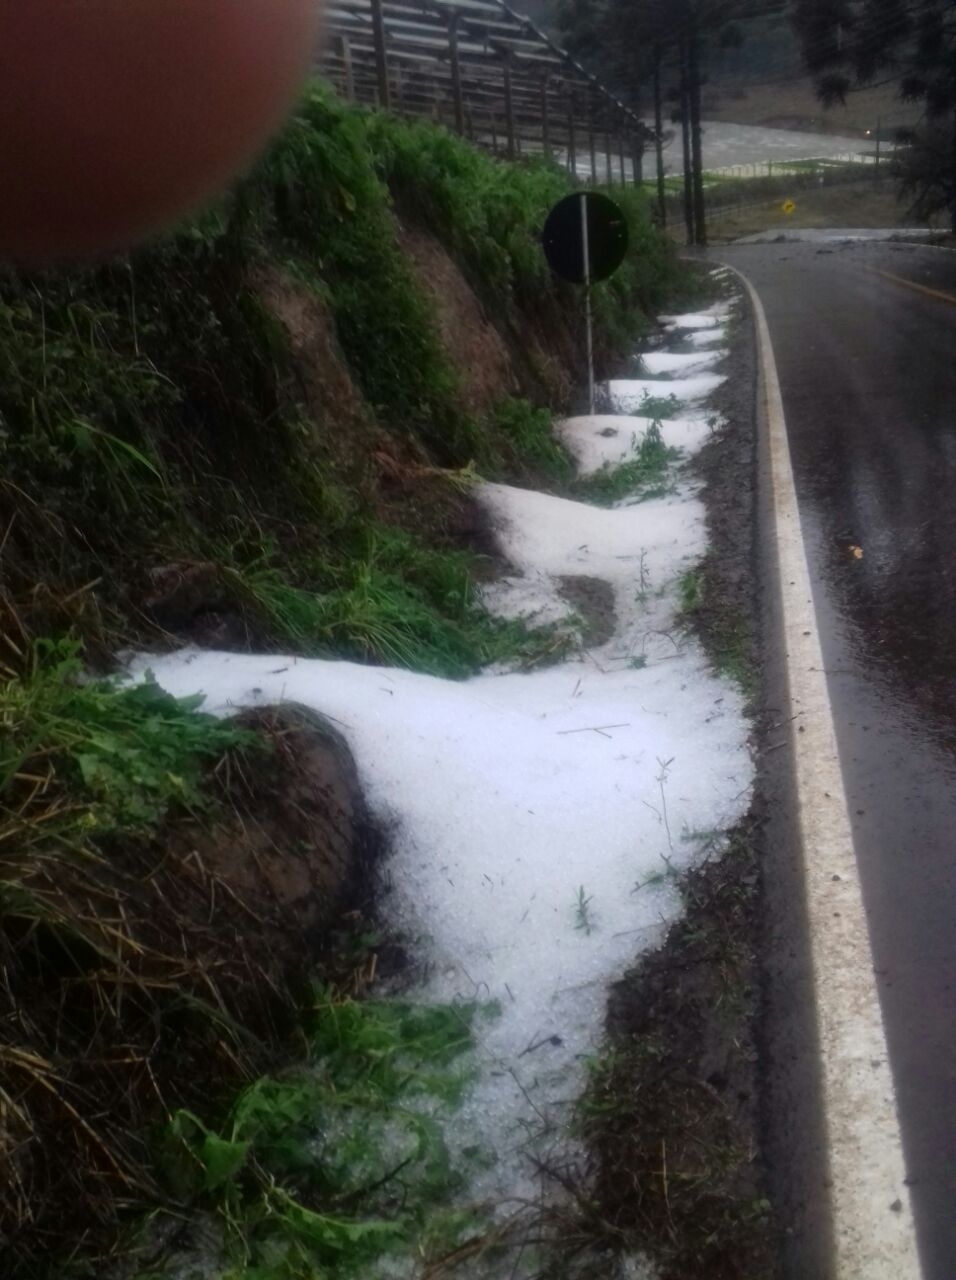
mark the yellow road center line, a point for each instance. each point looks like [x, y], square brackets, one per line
[911, 284]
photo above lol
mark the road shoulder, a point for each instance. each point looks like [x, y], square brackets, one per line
[675, 1114]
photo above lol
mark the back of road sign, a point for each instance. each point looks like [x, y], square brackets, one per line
[563, 238]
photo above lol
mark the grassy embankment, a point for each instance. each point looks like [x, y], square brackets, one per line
[248, 433]
[823, 193]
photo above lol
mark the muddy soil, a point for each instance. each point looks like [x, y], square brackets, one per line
[481, 356]
[592, 599]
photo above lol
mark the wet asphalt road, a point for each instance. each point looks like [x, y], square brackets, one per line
[867, 368]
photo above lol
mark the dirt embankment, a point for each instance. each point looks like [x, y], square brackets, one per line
[163, 967]
[163, 974]
[257, 434]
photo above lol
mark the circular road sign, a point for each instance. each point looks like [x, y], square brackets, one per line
[563, 237]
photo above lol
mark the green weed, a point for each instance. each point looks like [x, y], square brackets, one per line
[126, 755]
[668, 874]
[342, 1163]
[643, 476]
[728, 641]
[530, 434]
[689, 589]
[391, 601]
[583, 915]
[660, 408]
[722, 628]
[491, 215]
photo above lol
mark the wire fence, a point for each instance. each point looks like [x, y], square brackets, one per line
[736, 194]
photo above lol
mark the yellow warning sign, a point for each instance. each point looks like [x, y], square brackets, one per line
[788, 206]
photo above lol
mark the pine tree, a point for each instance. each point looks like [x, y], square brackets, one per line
[634, 42]
[911, 42]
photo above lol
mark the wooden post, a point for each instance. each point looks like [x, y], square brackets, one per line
[494, 133]
[637, 155]
[349, 72]
[610, 153]
[620, 143]
[381, 55]
[545, 118]
[399, 95]
[456, 73]
[510, 111]
[572, 141]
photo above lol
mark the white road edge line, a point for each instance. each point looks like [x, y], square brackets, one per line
[874, 1233]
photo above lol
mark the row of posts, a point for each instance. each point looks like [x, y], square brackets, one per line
[464, 122]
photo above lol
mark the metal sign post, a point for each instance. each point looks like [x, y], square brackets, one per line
[585, 240]
[586, 259]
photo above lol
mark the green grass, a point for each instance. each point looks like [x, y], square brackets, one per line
[644, 476]
[689, 592]
[528, 432]
[660, 408]
[383, 596]
[125, 756]
[341, 1163]
[729, 645]
[392, 601]
[491, 214]
[722, 628]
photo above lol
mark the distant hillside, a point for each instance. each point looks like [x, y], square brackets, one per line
[757, 78]
[768, 51]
